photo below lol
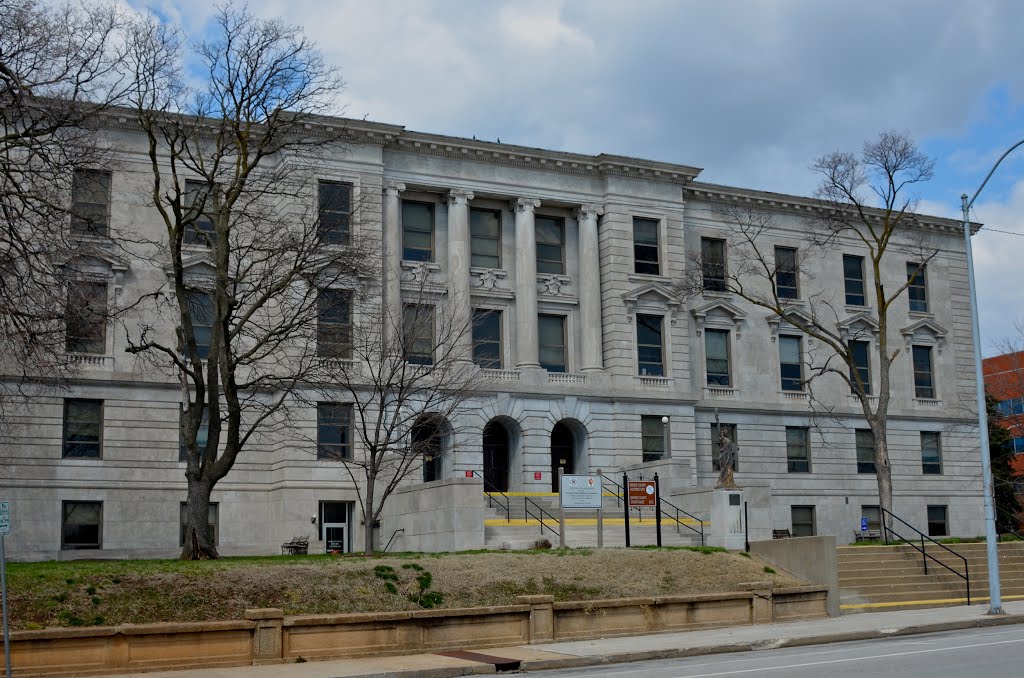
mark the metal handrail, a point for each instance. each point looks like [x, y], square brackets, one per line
[1007, 529]
[541, 514]
[689, 515]
[490, 496]
[886, 530]
[393, 534]
[620, 495]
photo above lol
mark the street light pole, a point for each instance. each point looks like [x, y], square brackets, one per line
[995, 605]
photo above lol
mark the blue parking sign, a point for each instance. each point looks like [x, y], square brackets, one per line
[863, 524]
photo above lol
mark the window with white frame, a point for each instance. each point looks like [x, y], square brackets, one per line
[646, 256]
[798, 449]
[853, 280]
[418, 334]
[931, 452]
[652, 434]
[90, 202]
[550, 233]
[335, 207]
[716, 357]
[650, 346]
[551, 331]
[861, 355]
[924, 380]
[485, 237]
[713, 264]
[791, 362]
[334, 324]
[786, 273]
[417, 231]
[917, 287]
[81, 525]
[487, 352]
[85, 317]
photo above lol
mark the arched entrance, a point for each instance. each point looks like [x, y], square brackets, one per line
[563, 452]
[496, 445]
[428, 443]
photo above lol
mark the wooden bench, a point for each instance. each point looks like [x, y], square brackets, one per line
[867, 535]
[781, 534]
[298, 546]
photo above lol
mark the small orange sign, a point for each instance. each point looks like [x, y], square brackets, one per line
[641, 493]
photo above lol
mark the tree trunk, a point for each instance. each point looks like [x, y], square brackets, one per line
[883, 471]
[198, 540]
[368, 519]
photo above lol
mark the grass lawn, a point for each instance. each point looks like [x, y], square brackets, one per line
[85, 593]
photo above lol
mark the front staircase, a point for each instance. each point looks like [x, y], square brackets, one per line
[877, 578]
[520, 526]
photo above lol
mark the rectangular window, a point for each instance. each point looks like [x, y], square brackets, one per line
[1018, 445]
[713, 264]
[798, 449]
[649, 347]
[791, 363]
[786, 273]
[865, 451]
[802, 518]
[81, 525]
[917, 288]
[550, 244]
[924, 384]
[853, 277]
[417, 231]
[83, 429]
[211, 521]
[333, 431]
[198, 225]
[418, 327]
[200, 309]
[85, 318]
[874, 516]
[485, 238]
[551, 331]
[1010, 407]
[859, 351]
[938, 521]
[335, 206]
[716, 357]
[645, 246]
[931, 452]
[487, 338]
[202, 436]
[730, 432]
[334, 324]
[652, 435]
[90, 202]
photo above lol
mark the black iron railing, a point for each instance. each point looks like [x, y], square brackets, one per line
[620, 495]
[537, 513]
[393, 534]
[887, 530]
[700, 523]
[491, 491]
[1008, 521]
[541, 514]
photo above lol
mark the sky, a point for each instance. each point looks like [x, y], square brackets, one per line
[750, 91]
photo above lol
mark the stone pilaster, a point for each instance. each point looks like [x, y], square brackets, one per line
[392, 263]
[591, 354]
[459, 310]
[526, 283]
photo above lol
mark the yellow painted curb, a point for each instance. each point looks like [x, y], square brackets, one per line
[498, 522]
[935, 601]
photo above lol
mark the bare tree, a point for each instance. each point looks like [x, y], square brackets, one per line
[867, 199]
[409, 381]
[247, 256]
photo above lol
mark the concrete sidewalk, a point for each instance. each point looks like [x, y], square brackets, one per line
[633, 648]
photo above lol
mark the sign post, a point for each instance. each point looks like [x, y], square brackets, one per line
[640, 494]
[578, 492]
[5, 529]
[561, 510]
[625, 505]
[657, 508]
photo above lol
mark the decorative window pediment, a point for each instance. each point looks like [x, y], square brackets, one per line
[653, 297]
[785, 323]
[197, 269]
[719, 314]
[95, 263]
[925, 332]
[858, 327]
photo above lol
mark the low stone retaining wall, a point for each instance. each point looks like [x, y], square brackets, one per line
[266, 636]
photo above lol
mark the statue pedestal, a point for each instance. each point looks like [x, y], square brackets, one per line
[727, 520]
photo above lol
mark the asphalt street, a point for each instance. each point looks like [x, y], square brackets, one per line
[976, 653]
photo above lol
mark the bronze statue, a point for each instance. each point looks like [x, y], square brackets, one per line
[726, 451]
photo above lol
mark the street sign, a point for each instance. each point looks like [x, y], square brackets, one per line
[580, 492]
[642, 493]
[5, 517]
[863, 524]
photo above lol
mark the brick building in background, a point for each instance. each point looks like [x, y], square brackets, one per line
[1004, 381]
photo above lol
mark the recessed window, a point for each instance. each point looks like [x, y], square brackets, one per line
[786, 273]
[427, 438]
[334, 324]
[649, 345]
[859, 351]
[853, 278]
[83, 429]
[90, 202]
[802, 519]
[202, 435]
[418, 334]
[551, 331]
[924, 383]
[728, 431]
[931, 452]
[652, 435]
[874, 516]
[81, 525]
[917, 287]
[646, 257]
[865, 451]
[333, 431]
[798, 449]
[791, 363]
[417, 231]
[198, 224]
[487, 338]
[212, 522]
[713, 264]
[716, 357]
[550, 244]
[485, 237]
[938, 521]
[200, 308]
[85, 318]
[335, 207]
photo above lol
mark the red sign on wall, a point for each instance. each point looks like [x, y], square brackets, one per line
[469, 474]
[537, 475]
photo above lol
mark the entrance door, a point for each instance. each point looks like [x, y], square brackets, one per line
[495, 457]
[336, 538]
[563, 450]
[334, 520]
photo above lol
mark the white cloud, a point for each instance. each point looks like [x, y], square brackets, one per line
[538, 27]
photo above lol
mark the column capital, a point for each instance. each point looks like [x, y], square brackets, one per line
[586, 211]
[525, 204]
[458, 196]
[393, 187]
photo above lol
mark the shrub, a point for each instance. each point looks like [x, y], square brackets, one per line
[541, 544]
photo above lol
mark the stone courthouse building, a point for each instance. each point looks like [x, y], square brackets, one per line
[589, 359]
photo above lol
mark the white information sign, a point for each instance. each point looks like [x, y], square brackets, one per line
[5, 517]
[580, 492]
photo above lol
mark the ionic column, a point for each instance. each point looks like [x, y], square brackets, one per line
[391, 255]
[458, 272]
[526, 283]
[591, 357]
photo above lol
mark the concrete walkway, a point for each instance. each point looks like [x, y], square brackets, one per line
[634, 648]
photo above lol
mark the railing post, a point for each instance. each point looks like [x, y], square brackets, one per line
[924, 555]
[625, 504]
